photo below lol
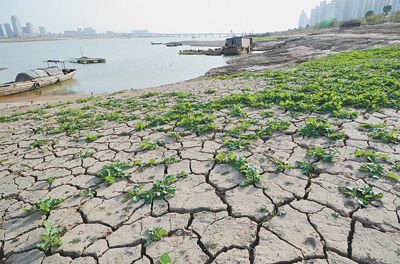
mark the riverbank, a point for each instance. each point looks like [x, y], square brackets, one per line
[301, 164]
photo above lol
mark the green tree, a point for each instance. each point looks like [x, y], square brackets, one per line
[369, 13]
[387, 9]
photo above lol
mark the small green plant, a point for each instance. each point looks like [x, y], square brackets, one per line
[154, 234]
[85, 154]
[281, 165]
[239, 163]
[38, 143]
[50, 179]
[344, 114]
[321, 154]
[378, 131]
[370, 155]
[91, 137]
[165, 259]
[397, 166]
[307, 168]
[236, 110]
[139, 126]
[274, 126]
[161, 188]
[51, 237]
[233, 144]
[210, 91]
[147, 145]
[375, 171]
[175, 135]
[182, 174]
[363, 195]
[45, 205]
[110, 173]
[87, 192]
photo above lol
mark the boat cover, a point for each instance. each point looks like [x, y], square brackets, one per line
[38, 73]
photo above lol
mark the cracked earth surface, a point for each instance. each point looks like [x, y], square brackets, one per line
[287, 217]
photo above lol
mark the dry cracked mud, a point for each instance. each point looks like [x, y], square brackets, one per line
[286, 217]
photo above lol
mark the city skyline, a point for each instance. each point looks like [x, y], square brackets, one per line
[174, 16]
[343, 10]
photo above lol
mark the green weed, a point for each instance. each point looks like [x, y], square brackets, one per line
[38, 143]
[281, 165]
[91, 137]
[51, 237]
[371, 155]
[241, 164]
[161, 188]
[364, 196]
[147, 145]
[307, 168]
[110, 173]
[154, 234]
[45, 205]
[319, 127]
[321, 154]
[165, 259]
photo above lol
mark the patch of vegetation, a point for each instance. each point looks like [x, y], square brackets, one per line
[281, 165]
[210, 91]
[91, 137]
[51, 237]
[165, 259]
[50, 179]
[139, 126]
[344, 114]
[377, 171]
[161, 188]
[364, 196]
[241, 164]
[38, 143]
[233, 144]
[307, 168]
[237, 110]
[147, 145]
[319, 127]
[379, 131]
[321, 154]
[274, 126]
[85, 154]
[116, 170]
[45, 205]
[175, 135]
[371, 155]
[87, 192]
[155, 234]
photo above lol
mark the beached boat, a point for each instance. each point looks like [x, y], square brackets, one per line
[87, 60]
[37, 78]
[156, 43]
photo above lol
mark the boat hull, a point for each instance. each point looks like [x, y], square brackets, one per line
[20, 87]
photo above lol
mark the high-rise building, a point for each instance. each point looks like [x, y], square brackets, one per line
[42, 31]
[303, 20]
[16, 26]
[9, 30]
[28, 29]
[1, 32]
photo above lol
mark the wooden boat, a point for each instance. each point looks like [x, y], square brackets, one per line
[37, 78]
[87, 60]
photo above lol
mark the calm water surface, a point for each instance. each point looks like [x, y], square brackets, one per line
[131, 64]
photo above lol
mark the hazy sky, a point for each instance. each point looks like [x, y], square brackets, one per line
[158, 15]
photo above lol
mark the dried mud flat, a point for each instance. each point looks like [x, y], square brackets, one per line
[245, 185]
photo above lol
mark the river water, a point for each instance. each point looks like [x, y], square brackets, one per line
[132, 63]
